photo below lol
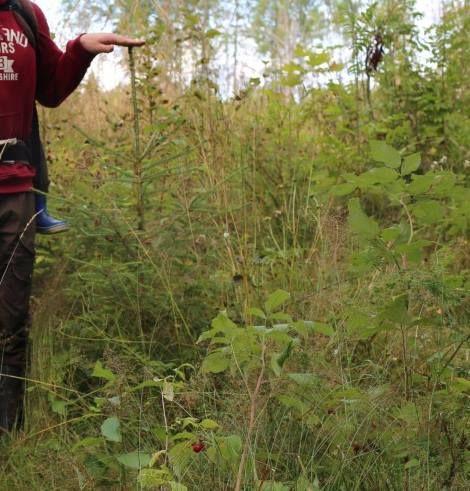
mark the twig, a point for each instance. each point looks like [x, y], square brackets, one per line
[139, 189]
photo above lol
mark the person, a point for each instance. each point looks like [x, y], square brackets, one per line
[32, 68]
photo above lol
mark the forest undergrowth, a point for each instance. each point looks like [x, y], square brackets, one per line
[261, 292]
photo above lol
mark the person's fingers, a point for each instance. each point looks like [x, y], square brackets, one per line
[126, 41]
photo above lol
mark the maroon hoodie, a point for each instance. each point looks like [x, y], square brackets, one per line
[22, 80]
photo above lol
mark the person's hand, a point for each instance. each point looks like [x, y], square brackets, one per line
[105, 42]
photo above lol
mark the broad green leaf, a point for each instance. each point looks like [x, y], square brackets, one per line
[292, 402]
[343, 189]
[215, 362]
[209, 424]
[307, 379]
[275, 300]
[379, 175]
[361, 325]
[176, 486]
[281, 316]
[411, 164]
[460, 385]
[396, 311]
[153, 478]
[284, 356]
[361, 225]
[420, 184]
[58, 406]
[180, 457]
[414, 250]
[100, 372]
[230, 447]
[223, 324]
[301, 328]
[320, 328]
[111, 429]
[428, 212]
[257, 312]
[220, 325]
[391, 234]
[134, 460]
[382, 152]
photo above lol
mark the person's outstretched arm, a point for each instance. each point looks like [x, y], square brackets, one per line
[58, 72]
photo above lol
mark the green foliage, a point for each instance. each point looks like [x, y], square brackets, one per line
[325, 235]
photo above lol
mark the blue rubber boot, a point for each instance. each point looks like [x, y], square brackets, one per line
[45, 224]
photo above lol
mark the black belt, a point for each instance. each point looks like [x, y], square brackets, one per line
[16, 152]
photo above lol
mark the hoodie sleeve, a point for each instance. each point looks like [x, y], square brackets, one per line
[58, 73]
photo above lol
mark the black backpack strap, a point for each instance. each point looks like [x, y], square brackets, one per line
[38, 157]
[25, 16]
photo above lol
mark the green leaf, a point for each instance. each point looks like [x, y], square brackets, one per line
[382, 152]
[215, 362]
[420, 184]
[111, 429]
[293, 402]
[428, 212]
[361, 325]
[152, 478]
[414, 250]
[134, 460]
[257, 312]
[411, 164]
[209, 424]
[220, 325]
[100, 372]
[176, 486]
[180, 457]
[379, 175]
[57, 406]
[230, 447]
[305, 379]
[361, 225]
[343, 189]
[281, 316]
[391, 234]
[396, 311]
[275, 300]
[278, 359]
[320, 328]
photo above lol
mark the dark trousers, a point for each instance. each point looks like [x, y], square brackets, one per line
[17, 233]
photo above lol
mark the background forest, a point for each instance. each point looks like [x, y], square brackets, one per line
[266, 282]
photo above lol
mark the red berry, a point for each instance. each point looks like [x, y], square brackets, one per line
[198, 447]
